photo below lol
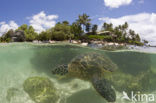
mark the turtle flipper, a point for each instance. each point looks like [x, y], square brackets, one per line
[103, 87]
[60, 70]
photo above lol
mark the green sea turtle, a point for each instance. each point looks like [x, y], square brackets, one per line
[91, 67]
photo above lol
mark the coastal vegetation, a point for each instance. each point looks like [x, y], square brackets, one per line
[82, 29]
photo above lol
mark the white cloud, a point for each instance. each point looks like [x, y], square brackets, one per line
[4, 27]
[143, 23]
[116, 3]
[41, 21]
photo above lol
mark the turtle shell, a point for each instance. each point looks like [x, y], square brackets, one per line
[86, 65]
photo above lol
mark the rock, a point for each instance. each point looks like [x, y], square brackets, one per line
[74, 42]
[123, 44]
[51, 41]
[46, 41]
[84, 44]
[116, 44]
[110, 43]
[40, 90]
[100, 45]
[35, 41]
[79, 41]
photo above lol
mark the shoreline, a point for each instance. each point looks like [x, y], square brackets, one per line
[144, 49]
[79, 42]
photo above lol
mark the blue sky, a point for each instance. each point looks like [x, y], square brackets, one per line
[18, 10]
[23, 11]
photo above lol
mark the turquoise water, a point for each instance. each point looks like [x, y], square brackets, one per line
[136, 72]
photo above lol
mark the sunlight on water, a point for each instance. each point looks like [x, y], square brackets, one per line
[136, 72]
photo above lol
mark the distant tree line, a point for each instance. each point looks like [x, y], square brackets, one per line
[81, 29]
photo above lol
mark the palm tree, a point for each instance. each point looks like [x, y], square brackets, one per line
[88, 27]
[83, 20]
[94, 28]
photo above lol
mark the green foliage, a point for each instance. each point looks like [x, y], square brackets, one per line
[107, 27]
[62, 31]
[88, 27]
[23, 27]
[8, 40]
[135, 43]
[65, 22]
[83, 38]
[65, 31]
[29, 32]
[94, 28]
[99, 37]
[76, 29]
[84, 20]
[44, 35]
[7, 36]
[122, 35]
[138, 43]
[145, 41]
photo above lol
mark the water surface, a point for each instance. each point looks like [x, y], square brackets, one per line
[22, 60]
